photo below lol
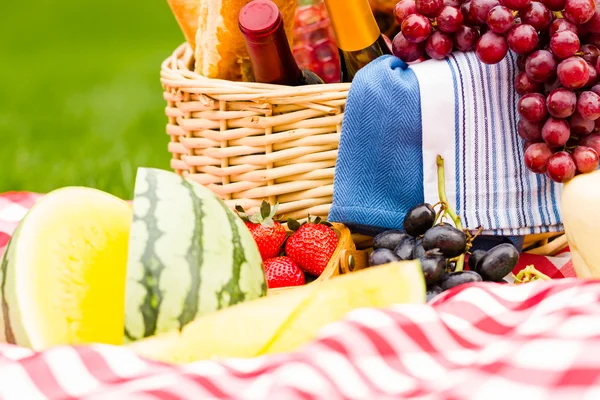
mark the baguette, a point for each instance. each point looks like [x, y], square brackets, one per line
[186, 15]
[220, 50]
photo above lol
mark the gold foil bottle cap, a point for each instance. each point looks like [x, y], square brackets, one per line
[353, 23]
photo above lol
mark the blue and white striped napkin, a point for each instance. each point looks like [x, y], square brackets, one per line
[399, 118]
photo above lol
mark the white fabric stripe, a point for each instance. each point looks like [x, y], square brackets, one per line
[69, 371]
[436, 87]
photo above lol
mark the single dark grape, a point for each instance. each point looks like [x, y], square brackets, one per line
[481, 8]
[455, 279]
[491, 48]
[433, 292]
[561, 103]
[554, 5]
[596, 89]
[560, 25]
[416, 28]
[419, 219]
[405, 50]
[564, 44]
[580, 126]
[466, 38]
[388, 239]
[419, 250]
[592, 141]
[403, 9]
[541, 66]
[515, 4]
[536, 15]
[579, 11]
[522, 39]
[465, 10]
[405, 248]
[429, 8]
[433, 266]
[585, 158]
[561, 167]
[588, 105]
[532, 107]
[537, 156]
[556, 132]
[382, 257]
[498, 262]
[573, 73]
[551, 85]
[593, 76]
[474, 259]
[524, 84]
[500, 19]
[530, 131]
[590, 53]
[449, 20]
[438, 45]
[449, 240]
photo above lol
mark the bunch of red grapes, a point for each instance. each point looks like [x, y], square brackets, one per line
[557, 43]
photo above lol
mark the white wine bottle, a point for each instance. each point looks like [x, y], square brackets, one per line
[358, 37]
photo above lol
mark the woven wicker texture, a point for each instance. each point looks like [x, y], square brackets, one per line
[249, 142]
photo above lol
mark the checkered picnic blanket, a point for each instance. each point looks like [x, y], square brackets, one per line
[479, 341]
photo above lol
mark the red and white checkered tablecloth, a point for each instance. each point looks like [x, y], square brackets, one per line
[481, 341]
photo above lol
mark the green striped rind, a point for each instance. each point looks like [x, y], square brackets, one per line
[188, 255]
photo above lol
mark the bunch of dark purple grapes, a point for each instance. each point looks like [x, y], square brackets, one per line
[438, 246]
[557, 43]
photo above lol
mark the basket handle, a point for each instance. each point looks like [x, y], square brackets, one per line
[353, 260]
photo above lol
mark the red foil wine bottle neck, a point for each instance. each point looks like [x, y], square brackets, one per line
[272, 60]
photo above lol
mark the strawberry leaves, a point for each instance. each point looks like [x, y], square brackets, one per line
[265, 217]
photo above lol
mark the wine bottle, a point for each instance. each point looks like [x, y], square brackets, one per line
[261, 24]
[358, 37]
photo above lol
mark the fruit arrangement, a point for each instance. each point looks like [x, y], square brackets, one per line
[557, 43]
[441, 247]
[290, 254]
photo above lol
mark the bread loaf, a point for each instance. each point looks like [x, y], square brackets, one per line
[220, 49]
[186, 14]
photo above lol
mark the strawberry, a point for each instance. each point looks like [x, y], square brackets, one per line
[268, 234]
[311, 245]
[282, 272]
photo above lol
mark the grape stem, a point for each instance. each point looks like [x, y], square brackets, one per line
[447, 209]
[530, 274]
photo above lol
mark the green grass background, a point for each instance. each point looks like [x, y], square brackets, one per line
[80, 97]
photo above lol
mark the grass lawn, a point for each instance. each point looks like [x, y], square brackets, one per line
[80, 96]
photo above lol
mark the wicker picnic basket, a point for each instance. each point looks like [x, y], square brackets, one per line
[249, 142]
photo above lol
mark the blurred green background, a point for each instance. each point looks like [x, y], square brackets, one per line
[80, 97]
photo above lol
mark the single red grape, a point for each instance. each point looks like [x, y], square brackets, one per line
[522, 39]
[465, 10]
[491, 48]
[429, 8]
[561, 103]
[481, 8]
[593, 76]
[556, 132]
[438, 45]
[564, 44]
[449, 20]
[541, 66]
[530, 131]
[596, 89]
[532, 107]
[586, 159]
[403, 9]
[500, 19]
[561, 167]
[537, 156]
[561, 24]
[573, 73]
[580, 126]
[592, 141]
[554, 5]
[588, 105]
[590, 53]
[466, 38]
[405, 50]
[515, 4]
[537, 15]
[524, 84]
[593, 25]
[579, 11]
[416, 28]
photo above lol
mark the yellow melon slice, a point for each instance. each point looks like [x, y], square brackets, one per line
[63, 274]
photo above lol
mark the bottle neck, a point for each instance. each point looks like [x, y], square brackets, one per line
[271, 57]
[353, 22]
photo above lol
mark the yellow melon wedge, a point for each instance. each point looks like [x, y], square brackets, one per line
[282, 323]
[63, 273]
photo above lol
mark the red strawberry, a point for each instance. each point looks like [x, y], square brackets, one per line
[311, 245]
[282, 272]
[268, 234]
